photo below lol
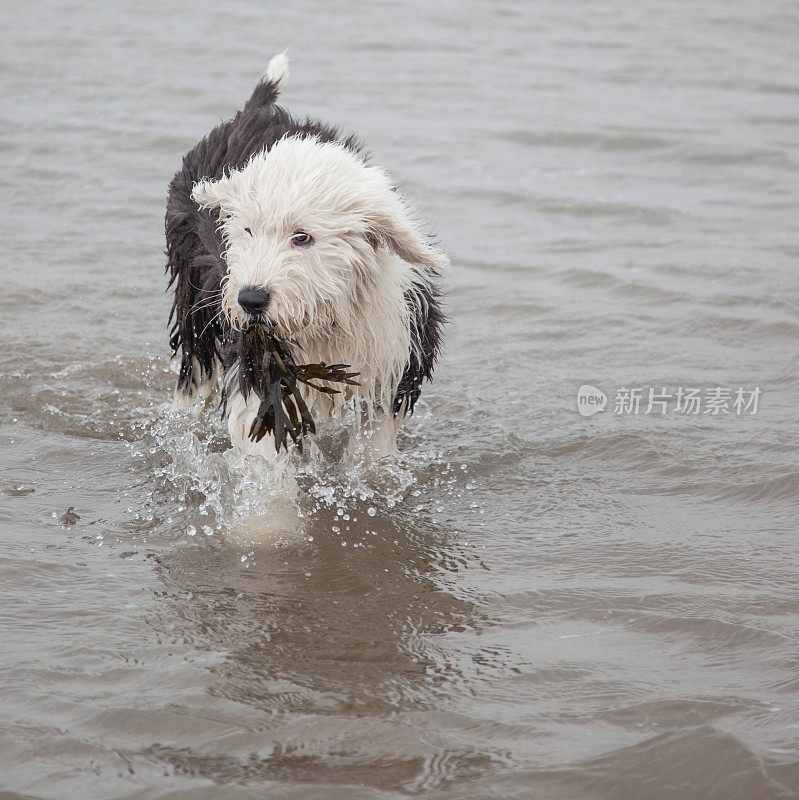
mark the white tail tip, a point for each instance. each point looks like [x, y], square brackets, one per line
[278, 69]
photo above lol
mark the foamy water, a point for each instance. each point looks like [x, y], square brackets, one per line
[525, 602]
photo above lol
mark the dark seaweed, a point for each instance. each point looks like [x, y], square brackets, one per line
[283, 411]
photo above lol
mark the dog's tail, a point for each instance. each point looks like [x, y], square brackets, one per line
[267, 90]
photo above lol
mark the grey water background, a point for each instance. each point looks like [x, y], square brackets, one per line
[525, 603]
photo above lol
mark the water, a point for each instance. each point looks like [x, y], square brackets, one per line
[526, 603]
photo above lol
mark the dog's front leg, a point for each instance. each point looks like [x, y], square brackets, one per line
[241, 414]
[198, 397]
[377, 438]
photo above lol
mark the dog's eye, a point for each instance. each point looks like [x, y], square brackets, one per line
[247, 230]
[301, 239]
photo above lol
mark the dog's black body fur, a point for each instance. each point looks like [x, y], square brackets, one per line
[196, 265]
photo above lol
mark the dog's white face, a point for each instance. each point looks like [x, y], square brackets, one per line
[303, 225]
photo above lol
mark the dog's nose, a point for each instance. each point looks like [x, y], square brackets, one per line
[253, 299]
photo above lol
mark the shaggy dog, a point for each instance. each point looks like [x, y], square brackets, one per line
[285, 222]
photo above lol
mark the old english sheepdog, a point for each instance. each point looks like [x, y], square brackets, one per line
[284, 222]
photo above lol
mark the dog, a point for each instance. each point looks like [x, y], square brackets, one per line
[284, 222]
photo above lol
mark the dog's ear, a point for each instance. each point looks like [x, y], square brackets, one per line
[390, 221]
[210, 194]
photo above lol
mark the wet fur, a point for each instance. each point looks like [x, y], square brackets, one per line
[205, 333]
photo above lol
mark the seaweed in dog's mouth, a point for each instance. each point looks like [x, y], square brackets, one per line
[283, 412]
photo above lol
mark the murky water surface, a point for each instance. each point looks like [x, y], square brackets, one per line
[526, 603]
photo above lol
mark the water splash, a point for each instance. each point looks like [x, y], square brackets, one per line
[219, 490]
